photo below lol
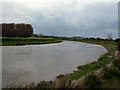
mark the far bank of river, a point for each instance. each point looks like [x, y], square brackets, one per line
[35, 63]
[5, 41]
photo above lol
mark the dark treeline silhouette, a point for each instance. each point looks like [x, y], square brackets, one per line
[74, 38]
[16, 30]
[117, 40]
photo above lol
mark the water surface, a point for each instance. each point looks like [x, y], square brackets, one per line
[35, 63]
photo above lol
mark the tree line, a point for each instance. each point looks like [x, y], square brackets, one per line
[16, 30]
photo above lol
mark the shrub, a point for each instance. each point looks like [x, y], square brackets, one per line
[62, 82]
[110, 73]
[116, 63]
[45, 85]
[91, 81]
[107, 73]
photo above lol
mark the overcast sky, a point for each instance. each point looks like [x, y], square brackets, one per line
[87, 18]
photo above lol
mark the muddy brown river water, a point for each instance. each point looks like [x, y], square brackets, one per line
[34, 63]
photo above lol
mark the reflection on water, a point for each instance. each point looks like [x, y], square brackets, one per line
[44, 62]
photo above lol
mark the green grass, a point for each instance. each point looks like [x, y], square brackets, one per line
[112, 75]
[102, 61]
[107, 58]
[113, 83]
[28, 41]
[92, 81]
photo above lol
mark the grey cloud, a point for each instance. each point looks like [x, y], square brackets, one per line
[96, 19]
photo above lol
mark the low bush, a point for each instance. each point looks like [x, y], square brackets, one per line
[45, 85]
[116, 63]
[91, 81]
[110, 73]
[107, 73]
[62, 82]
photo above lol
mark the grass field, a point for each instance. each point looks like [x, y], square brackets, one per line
[28, 41]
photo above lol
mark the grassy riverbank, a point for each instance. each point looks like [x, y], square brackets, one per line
[109, 77]
[28, 41]
[102, 61]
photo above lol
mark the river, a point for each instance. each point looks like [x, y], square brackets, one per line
[34, 63]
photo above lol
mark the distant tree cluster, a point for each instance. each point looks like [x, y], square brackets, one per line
[16, 30]
[109, 36]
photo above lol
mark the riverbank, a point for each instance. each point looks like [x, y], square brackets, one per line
[67, 81]
[105, 73]
[103, 60]
[27, 41]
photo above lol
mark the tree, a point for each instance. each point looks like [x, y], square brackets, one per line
[16, 30]
[109, 36]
